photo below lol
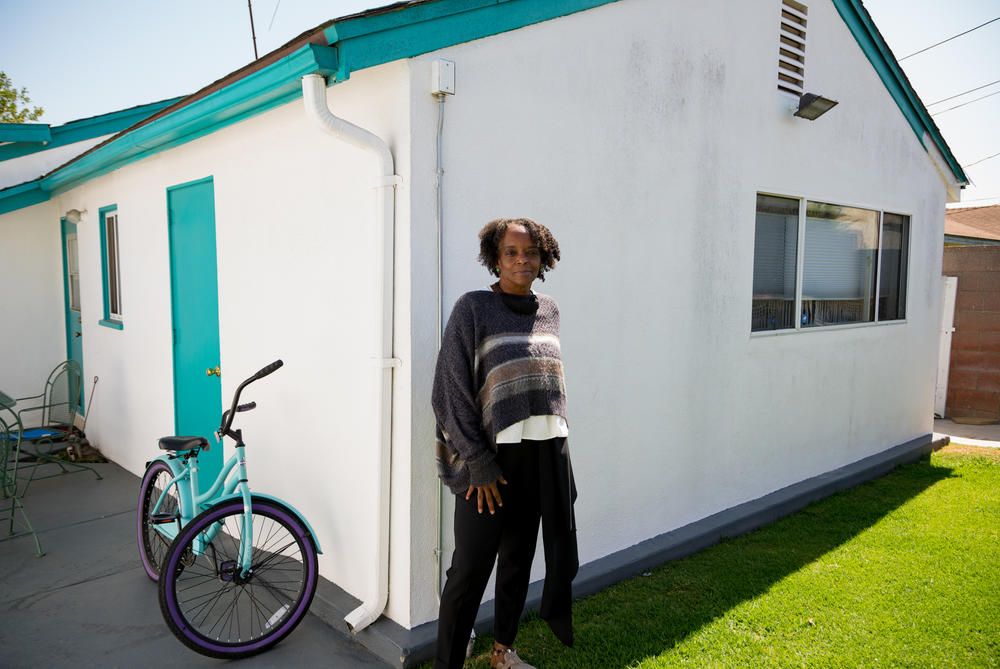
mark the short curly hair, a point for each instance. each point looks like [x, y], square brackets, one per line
[492, 234]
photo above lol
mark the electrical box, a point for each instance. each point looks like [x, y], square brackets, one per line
[442, 77]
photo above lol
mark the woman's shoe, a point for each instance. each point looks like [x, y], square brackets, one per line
[507, 658]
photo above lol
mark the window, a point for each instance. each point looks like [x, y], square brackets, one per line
[818, 264]
[895, 240]
[775, 249]
[838, 268]
[111, 268]
[73, 270]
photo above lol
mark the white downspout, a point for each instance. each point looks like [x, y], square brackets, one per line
[314, 96]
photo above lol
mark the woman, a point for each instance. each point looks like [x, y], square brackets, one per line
[500, 403]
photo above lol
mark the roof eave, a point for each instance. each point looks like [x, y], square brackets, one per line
[334, 49]
[873, 45]
[226, 102]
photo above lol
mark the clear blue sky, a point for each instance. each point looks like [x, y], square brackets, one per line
[81, 58]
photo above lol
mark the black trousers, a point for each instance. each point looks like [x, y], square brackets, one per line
[480, 539]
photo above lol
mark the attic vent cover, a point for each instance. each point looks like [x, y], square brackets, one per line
[792, 47]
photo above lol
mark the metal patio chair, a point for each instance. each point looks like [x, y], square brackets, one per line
[48, 418]
[10, 447]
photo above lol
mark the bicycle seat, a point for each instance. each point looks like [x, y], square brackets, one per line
[182, 443]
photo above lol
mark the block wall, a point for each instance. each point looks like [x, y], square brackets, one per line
[974, 374]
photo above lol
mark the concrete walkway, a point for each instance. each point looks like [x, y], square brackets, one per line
[87, 601]
[968, 435]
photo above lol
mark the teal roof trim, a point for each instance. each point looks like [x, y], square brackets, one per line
[362, 41]
[25, 132]
[21, 196]
[261, 90]
[860, 23]
[77, 131]
[385, 35]
[375, 38]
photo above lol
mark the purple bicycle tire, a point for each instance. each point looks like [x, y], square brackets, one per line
[152, 471]
[169, 604]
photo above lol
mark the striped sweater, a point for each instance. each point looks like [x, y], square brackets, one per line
[496, 367]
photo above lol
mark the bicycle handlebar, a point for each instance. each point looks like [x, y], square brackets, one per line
[229, 414]
[267, 370]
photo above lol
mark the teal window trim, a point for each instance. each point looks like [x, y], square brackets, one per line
[109, 272]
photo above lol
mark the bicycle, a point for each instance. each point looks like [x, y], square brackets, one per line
[236, 571]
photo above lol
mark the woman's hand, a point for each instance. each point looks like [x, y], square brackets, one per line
[488, 492]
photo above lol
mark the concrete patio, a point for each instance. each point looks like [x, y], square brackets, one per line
[87, 601]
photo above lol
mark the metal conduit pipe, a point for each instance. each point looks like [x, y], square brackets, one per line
[314, 97]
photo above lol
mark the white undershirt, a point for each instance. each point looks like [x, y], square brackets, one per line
[536, 428]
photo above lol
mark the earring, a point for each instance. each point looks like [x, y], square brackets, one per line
[496, 271]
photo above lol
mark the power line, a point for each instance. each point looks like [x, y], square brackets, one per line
[273, 14]
[949, 39]
[981, 160]
[958, 95]
[966, 103]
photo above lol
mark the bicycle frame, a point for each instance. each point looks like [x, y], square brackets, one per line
[191, 502]
[233, 477]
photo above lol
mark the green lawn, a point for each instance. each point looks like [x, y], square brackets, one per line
[899, 572]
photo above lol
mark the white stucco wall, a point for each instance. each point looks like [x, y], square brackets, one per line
[295, 231]
[640, 133]
[33, 330]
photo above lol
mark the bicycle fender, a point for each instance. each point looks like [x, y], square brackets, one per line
[271, 498]
[175, 467]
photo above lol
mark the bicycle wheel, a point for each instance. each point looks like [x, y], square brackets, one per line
[216, 611]
[153, 546]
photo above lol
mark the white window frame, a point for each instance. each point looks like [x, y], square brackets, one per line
[803, 201]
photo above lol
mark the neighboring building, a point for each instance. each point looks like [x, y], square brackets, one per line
[750, 300]
[972, 226]
[974, 365]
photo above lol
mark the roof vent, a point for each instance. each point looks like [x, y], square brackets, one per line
[792, 48]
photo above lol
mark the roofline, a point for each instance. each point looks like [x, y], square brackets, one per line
[25, 132]
[403, 30]
[971, 241]
[861, 25]
[408, 29]
[23, 195]
[334, 49]
[27, 138]
[956, 210]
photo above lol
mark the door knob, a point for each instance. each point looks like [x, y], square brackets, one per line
[213, 372]
[77, 334]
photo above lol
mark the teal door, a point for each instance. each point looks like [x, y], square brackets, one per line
[195, 316]
[71, 296]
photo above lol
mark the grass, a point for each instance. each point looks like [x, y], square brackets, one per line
[899, 572]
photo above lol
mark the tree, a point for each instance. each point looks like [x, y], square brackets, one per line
[14, 103]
